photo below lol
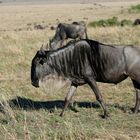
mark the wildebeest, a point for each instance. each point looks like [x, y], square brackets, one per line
[137, 22]
[76, 30]
[87, 62]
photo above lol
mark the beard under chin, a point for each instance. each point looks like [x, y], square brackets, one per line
[53, 83]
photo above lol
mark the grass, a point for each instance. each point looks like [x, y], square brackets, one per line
[35, 112]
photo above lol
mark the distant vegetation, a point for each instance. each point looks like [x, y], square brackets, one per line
[134, 9]
[110, 22]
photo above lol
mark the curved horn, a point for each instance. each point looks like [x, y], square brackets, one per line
[47, 46]
[41, 48]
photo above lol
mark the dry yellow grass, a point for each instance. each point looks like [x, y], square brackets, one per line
[16, 51]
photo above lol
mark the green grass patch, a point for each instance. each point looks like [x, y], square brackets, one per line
[126, 22]
[134, 9]
[110, 22]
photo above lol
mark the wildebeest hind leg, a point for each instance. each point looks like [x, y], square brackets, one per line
[68, 98]
[137, 104]
[93, 85]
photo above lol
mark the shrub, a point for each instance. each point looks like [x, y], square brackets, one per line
[126, 22]
[103, 23]
[113, 21]
[134, 9]
[110, 22]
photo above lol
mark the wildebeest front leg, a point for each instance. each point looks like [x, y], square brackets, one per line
[68, 98]
[137, 104]
[93, 85]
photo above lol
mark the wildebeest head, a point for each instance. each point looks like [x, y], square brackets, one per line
[54, 43]
[38, 68]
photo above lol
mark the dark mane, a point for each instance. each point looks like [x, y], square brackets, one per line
[94, 43]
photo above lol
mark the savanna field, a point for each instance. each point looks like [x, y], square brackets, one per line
[34, 112]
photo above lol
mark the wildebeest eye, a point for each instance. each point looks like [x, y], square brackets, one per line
[41, 62]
